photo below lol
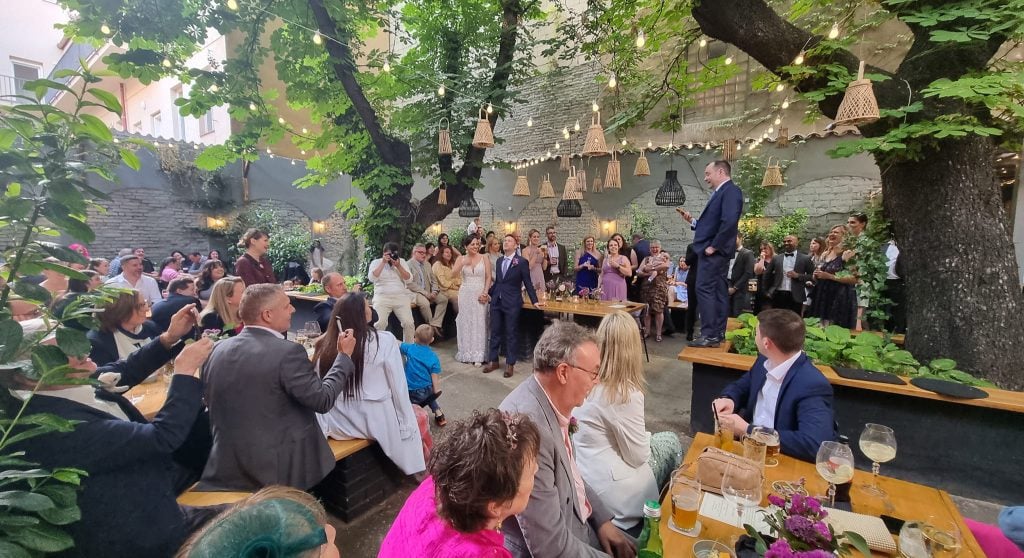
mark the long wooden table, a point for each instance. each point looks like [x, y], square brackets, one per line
[600, 308]
[911, 501]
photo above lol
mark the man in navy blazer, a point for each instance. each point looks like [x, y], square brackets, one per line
[511, 273]
[714, 239]
[783, 390]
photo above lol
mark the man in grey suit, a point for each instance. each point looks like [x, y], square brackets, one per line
[263, 393]
[741, 271]
[563, 518]
[426, 291]
[787, 275]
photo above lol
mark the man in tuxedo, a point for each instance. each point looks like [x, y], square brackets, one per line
[714, 239]
[741, 271]
[334, 286]
[556, 269]
[787, 274]
[511, 274]
[423, 285]
[783, 390]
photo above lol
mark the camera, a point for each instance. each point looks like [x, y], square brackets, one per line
[394, 255]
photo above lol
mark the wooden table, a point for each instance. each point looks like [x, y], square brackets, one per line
[600, 308]
[911, 501]
[148, 398]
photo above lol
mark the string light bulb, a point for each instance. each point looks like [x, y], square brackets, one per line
[771, 129]
[577, 125]
[252, 106]
[305, 130]
[612, 82]
[785, 103]
[233, 5]
[707, 146]
[641, 39]
[799, 59]
[440, 90]
[387, 67]
[728, 60]
[269, 152]
[490, 109]
[548, 155]
[557, 146]
[280, 120]
[166, 63]
[778, 120]
[214, 88]
[529, 122]
[317, 39]
[703, 43]
[623, 143]
[105, 29]
[594, 107]
[293, 162]
[302, 152]
[650, 144]
[565, 132]
[780, 87]
[834, 32]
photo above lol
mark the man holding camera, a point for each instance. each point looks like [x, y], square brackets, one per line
[388, 275]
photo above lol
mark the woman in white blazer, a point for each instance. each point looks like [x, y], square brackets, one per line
[375, 403]
[617, 457]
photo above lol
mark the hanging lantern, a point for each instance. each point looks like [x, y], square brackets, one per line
[859, 105]
[484, 136]
[581, 181]
[613, 175]
[571, 190]
[569, 209]
[442, 195]
[522, 185]
[772, 174]
[729, 149]
[643, 168]
[598, 185]
[671, 193]
[469, 208]
[564, 163]
[595, 145]
[783, 139]
[444, 138]
[546, 189]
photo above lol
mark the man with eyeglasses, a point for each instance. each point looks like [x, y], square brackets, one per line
[426, 291]
[564, 518]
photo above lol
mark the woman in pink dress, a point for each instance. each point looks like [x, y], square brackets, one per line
[614, 272]
[535, 255]
[458, 510]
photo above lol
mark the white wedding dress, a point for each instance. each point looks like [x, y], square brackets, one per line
[472, 319]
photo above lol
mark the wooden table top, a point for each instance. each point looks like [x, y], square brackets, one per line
[303, 296]
[148, 398]
[600, 308]
[911, 501]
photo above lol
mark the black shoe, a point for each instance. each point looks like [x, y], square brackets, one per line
[705, 343]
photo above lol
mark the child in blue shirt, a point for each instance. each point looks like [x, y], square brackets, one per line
[422, 368]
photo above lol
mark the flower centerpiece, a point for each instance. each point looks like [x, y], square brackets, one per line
[595, 295]
[562, 290]
[585, 294]
[799, 523]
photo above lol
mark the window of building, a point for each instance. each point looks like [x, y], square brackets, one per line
[137, 127]
[23, 73]
[726, 100]
[206, 123]
[155, 124]
[178, 120]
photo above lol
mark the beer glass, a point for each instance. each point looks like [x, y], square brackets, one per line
[686, 497]
[770, 437]
[755, 449]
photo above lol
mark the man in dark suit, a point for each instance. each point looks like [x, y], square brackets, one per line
[714, 239]
[786, 276]
[127, 500]
[556, 269]
[334, 286]
[511, 273]
[741, 271]
[263, 395]
[783, 390]
[180, 293]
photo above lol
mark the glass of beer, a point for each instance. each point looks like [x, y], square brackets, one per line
[723, 437]
[770, 437]
[755, 449]
[686, 496]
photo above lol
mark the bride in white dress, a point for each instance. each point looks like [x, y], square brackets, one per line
[472, 319]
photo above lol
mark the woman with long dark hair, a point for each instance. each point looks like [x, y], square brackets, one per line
[209, 273]
[375, 402]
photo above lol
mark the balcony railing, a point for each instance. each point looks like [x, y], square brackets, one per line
[70, 60]
[10, 85]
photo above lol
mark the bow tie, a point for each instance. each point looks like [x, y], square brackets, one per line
[790, 254]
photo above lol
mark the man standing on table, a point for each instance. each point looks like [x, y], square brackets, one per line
[783, 390]
[714, 239]
[511, 273]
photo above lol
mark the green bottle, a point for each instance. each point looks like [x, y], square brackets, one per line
[649, 543]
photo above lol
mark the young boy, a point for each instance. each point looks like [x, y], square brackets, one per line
[422, 368]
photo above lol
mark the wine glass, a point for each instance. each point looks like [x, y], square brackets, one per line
[941, 537]
[312, 329]
[740, 491]
[301, 336]
[878, 442]
[834, 463]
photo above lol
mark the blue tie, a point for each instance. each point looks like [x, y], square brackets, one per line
[504, 266]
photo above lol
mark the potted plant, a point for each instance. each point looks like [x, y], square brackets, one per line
[799, 524]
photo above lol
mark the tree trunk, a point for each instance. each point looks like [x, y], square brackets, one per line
[963, 301]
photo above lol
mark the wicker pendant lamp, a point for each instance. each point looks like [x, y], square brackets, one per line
[859, 105]
[581, 181]
[613, 174]
[484, 136]
[598, 186]
[469, 208]
[783, 139]
[571, 190]
[569, 209]
[522, 185]
[729, 149]
[595, 145]
[643, 168]
[564, 163]
[546, 189]
[772, 174]
[671, 193]
[442, 195]
[444, 138]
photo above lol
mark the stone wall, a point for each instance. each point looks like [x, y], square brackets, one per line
[156, 220]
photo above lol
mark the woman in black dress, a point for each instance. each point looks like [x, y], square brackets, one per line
[835, 299]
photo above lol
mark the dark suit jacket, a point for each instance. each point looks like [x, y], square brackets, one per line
[551, 525]
[506, 289]
[104, 348]
[263, 395]
[128, 499]
[164, 309]
[742, 270]
[719, 222]
[803, 417]
[774, 274]
[562, 261]
[323, 312]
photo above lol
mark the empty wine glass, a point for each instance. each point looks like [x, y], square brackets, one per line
[878, 442]
[312, 329]
[834, 463]
[738, 489]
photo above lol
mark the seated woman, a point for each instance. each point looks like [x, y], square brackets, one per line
[277, 521]
[169, 270]
[76, 288]
[123, 329]
[100, 266]
[375, 403]
[480, 474]
[210, 272]
[618, 458]
[448, 281]
[222, 311]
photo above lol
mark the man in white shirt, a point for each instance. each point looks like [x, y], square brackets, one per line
[783, 390]
[131, 277]
[556, 269]
[389, 274]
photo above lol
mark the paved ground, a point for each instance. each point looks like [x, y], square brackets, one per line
[466, 388]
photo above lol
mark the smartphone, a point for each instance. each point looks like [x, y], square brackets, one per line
[338, 322]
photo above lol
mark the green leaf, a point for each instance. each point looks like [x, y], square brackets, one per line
[62, 516]
[73, 341]
[215, 157]
[108, 99]
[27, 501]
[11, 550]
[130, 159]
[45, 358]
[7, 137]
[60, 216]
[11, 335]
[95, 127]
[858, 542]
[42, 537]
[69, 272]
[31, 291]
[942, 364]
[62, 253]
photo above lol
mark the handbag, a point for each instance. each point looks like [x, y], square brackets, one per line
[711, 466]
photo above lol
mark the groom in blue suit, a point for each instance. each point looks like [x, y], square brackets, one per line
[783, 390]
[714, 240]
[511, 272]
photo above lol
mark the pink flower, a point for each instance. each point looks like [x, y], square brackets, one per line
[573, 426]
[779, 549]
[776, 501]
